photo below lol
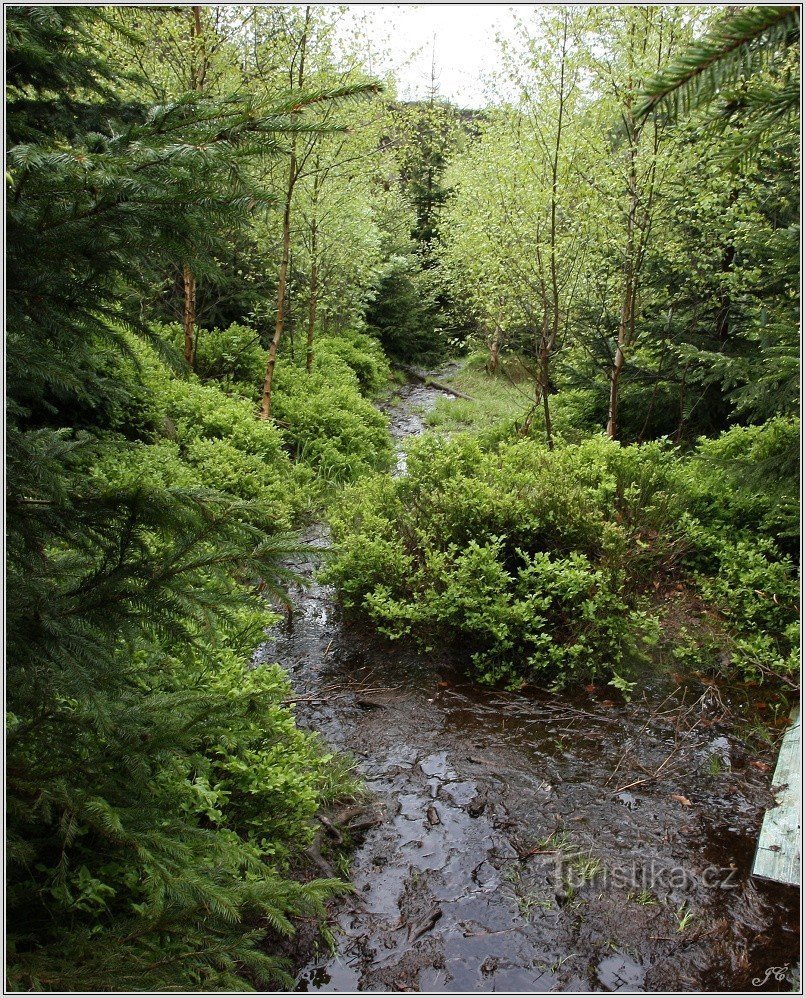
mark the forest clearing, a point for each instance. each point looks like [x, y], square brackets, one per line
[403, 500]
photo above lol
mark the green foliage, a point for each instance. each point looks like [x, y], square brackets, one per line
[323, 418]
[159, 793]
[233, 357]
[549, 566]
[136, 832]
[535, 560]
[404, 314]
[741, 495]
[747, 480]
[157, 789]
[738, 45]
[208, 439]
[234, 452]
[328, 424]
[426, 132]
[361, 353]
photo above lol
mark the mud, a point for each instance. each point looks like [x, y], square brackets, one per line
[529, 842]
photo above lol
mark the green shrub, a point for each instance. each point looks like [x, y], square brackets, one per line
[232, 357]
[405, 315]
[755, 590]
[326, 425]
[748, 478]
[547, 565]
[236, 453]
[531, 560]
[194, 434]
[739, 499]
[171, 887]
[329, 425]
[361, 353]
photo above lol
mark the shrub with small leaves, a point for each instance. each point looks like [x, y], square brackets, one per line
[531, 560]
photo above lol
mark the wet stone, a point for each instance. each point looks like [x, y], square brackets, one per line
[459, 793]
[437, 765]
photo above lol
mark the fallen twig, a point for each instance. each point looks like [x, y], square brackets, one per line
[431, 382]
[326, 695]
[425, 925]
[651, 777]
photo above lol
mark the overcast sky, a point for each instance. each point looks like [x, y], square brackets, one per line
[461, 37]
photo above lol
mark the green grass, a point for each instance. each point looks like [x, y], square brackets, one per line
[503, 405]
[643, 897]
[684, 918]
[500, 405]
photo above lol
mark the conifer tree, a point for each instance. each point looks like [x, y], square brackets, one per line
[127, 870]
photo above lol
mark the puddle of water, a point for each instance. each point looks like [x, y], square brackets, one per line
[457, 888]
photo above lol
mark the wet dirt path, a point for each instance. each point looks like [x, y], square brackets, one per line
[508, 857]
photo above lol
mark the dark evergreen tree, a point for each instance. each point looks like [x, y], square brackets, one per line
[122, 602]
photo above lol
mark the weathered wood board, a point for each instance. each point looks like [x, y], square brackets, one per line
[778, 852]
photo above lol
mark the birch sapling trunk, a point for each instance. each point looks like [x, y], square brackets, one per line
[544, 391]
[271, 359]
[495, 344]
[626, 324]
[314, 281]
[639, 214]
[549, 341]
[189, 315]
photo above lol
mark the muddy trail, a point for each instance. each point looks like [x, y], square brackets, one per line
[528, 842]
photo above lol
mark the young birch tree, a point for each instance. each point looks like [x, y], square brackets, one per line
[310, 68]
[515, 227]
[626, 47]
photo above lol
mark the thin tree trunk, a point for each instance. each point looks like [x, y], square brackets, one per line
[495, 348]
[198, 75]
[618, 363]
[544, 389]
[313, 290]
[655, 390]
[555, 283]
[495, 344]
[551, 330]
[312, 305]
[199, 70]
[626, 324]
[189, 315]
[637, 231]
[271, 359]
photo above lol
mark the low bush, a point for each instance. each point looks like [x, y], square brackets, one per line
[361, 353]
[234, 357]
[553, 566]
[755, 590]
[748, 479]
[328, 424]
[237, 453]
[740, 496]
[324, 428]
[537, 562]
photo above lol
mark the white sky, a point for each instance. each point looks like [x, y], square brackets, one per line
[461, 36]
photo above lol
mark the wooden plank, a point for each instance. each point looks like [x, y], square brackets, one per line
[778, 852]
